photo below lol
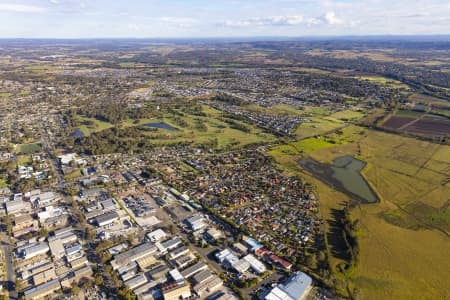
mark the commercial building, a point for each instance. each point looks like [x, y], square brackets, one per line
[210, 284]
[45, 276]
[106, 218]
[168, 245]
[255, 264]
[133, 255]
[296, 287]
[42, 290]
[176, 291]
[252, 244]
[213, 234]
[192, 270]
[183, 250]
[33, 250]
[56, 248]
[136, 281]
[196, 222]
[43, 199]
[23, 224]
[176, 275]
[157, 235]
[229, 260]
[17, 206]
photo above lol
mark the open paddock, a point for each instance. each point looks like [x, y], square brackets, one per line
[430, 127]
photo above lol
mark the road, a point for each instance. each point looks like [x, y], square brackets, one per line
[10, 275]
[52, 157]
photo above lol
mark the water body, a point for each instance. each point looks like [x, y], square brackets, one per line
[77, 133]
[344, 175]
[161, 125]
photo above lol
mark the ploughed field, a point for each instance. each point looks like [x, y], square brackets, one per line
[421, 124]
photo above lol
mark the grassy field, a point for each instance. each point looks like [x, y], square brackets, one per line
[404, 237]
[91, 125]
[23, 159]
[384, 81]
[317, 126]
[5, 95]
[195, 129]
[408, 114]
[421, 98]
[3, 183]
[29, 148]
[348, 115]
[75, 174]
[214, 128]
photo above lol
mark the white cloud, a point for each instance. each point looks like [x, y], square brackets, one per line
[54, 1]
[330, 18]
[134, 27]
[266, 21]
[21, 8]
[178, 21]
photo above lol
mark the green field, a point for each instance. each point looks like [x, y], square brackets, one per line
[348, 115]
[317, 126]
[29, 148]
[75, 174]
[408, 114]
[410, 178]
[23, 159]
[91, 125]
[3, 183]
[384, 81]
[193, 129]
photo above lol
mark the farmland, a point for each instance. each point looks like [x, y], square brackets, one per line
[418, 123]
[409, 176]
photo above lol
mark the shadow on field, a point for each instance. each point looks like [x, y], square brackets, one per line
[335, 236]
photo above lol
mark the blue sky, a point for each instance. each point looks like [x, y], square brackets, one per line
[220, 18]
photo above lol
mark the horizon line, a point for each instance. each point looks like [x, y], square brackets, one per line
[438, 35]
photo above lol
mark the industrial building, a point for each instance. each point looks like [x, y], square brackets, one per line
[296, 287]
[106, 218]
[133, 255]
[196, 222]
[42, 290]
[255, 264]
[176, 291]
[33, 250]
[157, 235]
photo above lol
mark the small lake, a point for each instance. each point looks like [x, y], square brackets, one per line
[344, 175]
[77, 133]
[161, 125]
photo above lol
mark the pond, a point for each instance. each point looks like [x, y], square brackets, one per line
[344, 175]
[77, 133]
[161, 125]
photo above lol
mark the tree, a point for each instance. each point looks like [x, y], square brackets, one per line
[311, 261]
[87, 284]
[172, 229]
[90, 233]
[98, 280]
[43, 232]
[125, 294]
[75, 290]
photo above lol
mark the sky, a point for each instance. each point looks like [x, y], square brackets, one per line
[220, 18]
